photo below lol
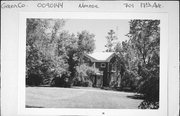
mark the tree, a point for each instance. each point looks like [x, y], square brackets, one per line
[70, 47]
[52, 53]
[140, 57]
[86, 44]
[41, 59]
[145, 39]
[127, 60]
[110, 40]
[74, 48]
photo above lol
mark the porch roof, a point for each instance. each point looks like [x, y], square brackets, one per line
[101, 56]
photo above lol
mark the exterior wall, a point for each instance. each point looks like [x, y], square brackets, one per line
[108, 75]
[109, 71]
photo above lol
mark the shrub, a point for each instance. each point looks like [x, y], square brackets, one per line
[129, 81]
[113, 84]
[149, 87]
[61, 81]
[85, 83]
[149, 84]
[148, 105]
[84, 75]
[34, 80]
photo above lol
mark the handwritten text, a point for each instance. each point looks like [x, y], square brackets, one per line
[50, 5]
[83, 5]
[10, 6]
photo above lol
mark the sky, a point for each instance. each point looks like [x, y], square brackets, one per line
[99, 28]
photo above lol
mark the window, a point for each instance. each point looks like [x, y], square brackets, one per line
[114, 66]
[103, 65]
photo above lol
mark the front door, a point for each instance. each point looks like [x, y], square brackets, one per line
[105, 79]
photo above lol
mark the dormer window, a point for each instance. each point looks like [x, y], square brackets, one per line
[103, 65]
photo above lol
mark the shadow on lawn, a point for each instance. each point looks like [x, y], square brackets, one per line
[136, 97]
[27, 106]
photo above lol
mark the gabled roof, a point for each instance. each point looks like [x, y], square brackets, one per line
[101, 56]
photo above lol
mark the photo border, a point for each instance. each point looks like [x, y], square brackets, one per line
[163, 17]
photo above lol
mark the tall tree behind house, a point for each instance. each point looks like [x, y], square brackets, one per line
[111, 37]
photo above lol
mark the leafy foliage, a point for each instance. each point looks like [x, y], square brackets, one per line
[61, 81]
[85, 75]
[130, 80]
[146, 104]
[41, 58]
[140, 59]
[52, 53]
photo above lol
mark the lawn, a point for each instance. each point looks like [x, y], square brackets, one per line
[52, 97]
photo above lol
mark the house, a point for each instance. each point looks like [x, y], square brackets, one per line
[107, 65]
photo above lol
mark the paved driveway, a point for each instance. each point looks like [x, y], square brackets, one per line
[51, 97]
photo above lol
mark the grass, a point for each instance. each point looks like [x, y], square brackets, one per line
[52, 97]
